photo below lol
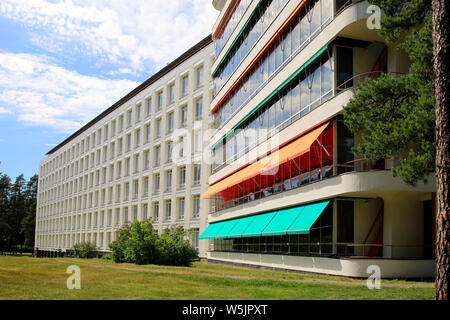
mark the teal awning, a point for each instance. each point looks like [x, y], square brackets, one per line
[307, 217]
[211, 230]
[226, 228]
[259, 223]
[240, 227]
[297, 220]
[282, 221]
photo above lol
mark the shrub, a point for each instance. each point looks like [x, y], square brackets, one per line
[85, 250]
[139, 243]
[118, 246]
[175, 249]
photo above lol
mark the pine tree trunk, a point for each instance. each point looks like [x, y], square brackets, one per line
[441, 30]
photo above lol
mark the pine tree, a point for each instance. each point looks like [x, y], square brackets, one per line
[441, 41]
[407, 117]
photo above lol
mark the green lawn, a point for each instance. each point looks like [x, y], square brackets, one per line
[31, 278]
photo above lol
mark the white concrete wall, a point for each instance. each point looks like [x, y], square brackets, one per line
[55, 208]
[333, 266]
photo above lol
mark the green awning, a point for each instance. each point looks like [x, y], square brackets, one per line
[297, 220]
[307, 217]
[240, 227]
[224, 231]
[282, 221]
[211, 231]
[258, 225]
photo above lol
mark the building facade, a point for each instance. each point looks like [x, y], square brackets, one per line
[140, 159]
[286, 190]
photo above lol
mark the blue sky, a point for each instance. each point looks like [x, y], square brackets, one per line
[62, 62]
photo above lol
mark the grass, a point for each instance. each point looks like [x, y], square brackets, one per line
[24, 277]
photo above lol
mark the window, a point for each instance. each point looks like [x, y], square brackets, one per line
[344, 61]
[127, 166]
[129, 116]
[113, 128]
[110, 195]
[170, 122]
[184, 86]
[182, 176]
[135, 213]
[121, 123]
[147, 133]
[171, 93]
[135, 189]
[120, 146]
[156, 211]
[181, 208]
[144, 211]
[156, 182]
[148, 109]
[136, 163]
[157, 155]
[183, 116]
[160, 100]
[119, 169]
[117, 220]
[198, 109]
[125, 214]
[169, 151]
[137, 138]
[145, 186]
[168, 180]
[181, 147]
[138, 113]
[127, 191]
[104, 175]
[158, 128]
[199, 73]
[195, 235]
[106, 129]
[128, 142]
[112, 150]
[168, 209]
[197, 173]
[196, 206]
[111, 172]
[197, 141]
[146, 159]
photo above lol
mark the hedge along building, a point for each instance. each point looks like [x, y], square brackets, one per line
[286, 189]
[141, 158]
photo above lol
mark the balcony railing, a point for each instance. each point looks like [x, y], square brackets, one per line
[319, 174]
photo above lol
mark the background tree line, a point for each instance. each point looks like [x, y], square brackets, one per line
[17, 212]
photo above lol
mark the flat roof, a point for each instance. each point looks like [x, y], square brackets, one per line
[171, 66]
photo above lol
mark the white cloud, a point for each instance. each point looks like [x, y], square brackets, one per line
[4, 111]
[130, 34]
[43, 93]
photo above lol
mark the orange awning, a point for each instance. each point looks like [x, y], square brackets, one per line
[263, 166]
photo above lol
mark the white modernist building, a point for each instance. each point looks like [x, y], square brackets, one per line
[139, 159]
[286, 190]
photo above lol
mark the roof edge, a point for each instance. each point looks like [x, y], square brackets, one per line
[158, 75]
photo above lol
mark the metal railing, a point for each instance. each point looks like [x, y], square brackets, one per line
[318, 174]
[361, 250]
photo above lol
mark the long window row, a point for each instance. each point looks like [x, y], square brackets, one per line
[264, 15]
[108, 193]
[101, 239]
[118, 216]
[319, 242]
[132, 116]
[312, 87]
[298, 34]
[239, 10]
[132, 140]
